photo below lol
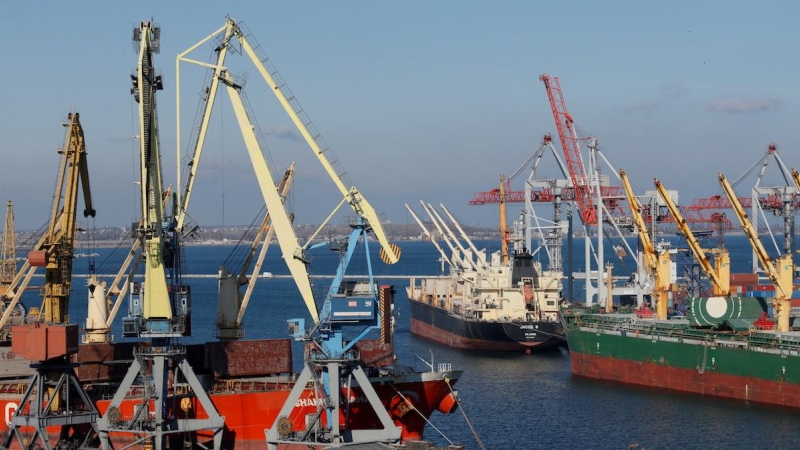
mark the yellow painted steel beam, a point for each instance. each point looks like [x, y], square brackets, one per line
[721, 285]
[781, 276]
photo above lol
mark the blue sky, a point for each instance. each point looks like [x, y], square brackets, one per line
[419, 100]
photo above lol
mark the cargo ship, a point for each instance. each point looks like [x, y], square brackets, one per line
[723, 347]
[249, 392]
[506, 303]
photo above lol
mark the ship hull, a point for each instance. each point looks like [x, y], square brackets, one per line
[438, 325]
[719, 367]
[250, 404]
[248, 414]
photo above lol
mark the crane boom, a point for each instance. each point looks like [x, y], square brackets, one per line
[287, 239]
[280, 219]
[781, 276]
[657, 263]
[584, 193]
[391, 253]
[721, 280]
[796, 177]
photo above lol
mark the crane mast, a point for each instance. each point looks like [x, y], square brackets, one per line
[159, 306]
[504, 234]
[658, 263]
[59, 240]
[720, 278]
[8, 264]
[156, 301]
[781, 276]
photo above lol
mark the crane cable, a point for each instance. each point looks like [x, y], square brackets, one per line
[469, 424]
[411, 404]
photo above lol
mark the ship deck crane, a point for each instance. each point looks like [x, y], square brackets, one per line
[333, 359]
[160, 306]
[779, 270]
[658, 263]
[720, 277]
[54, 396]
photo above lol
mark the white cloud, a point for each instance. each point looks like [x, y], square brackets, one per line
[640, 106]
[733, 106]
[285, 132]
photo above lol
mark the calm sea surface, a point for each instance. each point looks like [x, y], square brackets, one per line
[512, 401]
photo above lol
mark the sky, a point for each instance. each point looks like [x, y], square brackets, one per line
[418, 100]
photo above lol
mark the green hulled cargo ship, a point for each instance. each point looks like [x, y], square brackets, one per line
[720, 348]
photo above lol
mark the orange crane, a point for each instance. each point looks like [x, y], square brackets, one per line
[780, 272]
[658, 263]
[720, 278]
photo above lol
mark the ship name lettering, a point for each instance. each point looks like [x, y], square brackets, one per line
[303, 402]
[526, 327]
[11, 407]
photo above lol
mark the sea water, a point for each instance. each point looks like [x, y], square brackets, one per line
[509, 401]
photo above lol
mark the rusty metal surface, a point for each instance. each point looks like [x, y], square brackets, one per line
[104, 361]
[37, 258]
[39, 342]
[249, 358]
[374, 353]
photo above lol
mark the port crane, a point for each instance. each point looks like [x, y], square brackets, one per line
[659, 264]
[160, 306]
[780, 270]
[8, 264]
[782, 200]
[8, 270]
[54, 396]
[721, 273]
[332, 359]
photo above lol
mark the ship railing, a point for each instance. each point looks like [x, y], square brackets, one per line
[785, 345]
[444, 367]
[13, 388]
[234, 386]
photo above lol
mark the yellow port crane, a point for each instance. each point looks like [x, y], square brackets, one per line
[8, 263]
[796, 177]
[56, 253]
[721, 276]
[658, 263]
[779, 273]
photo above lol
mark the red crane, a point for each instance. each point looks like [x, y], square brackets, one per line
[584, 194]
[581, 191]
